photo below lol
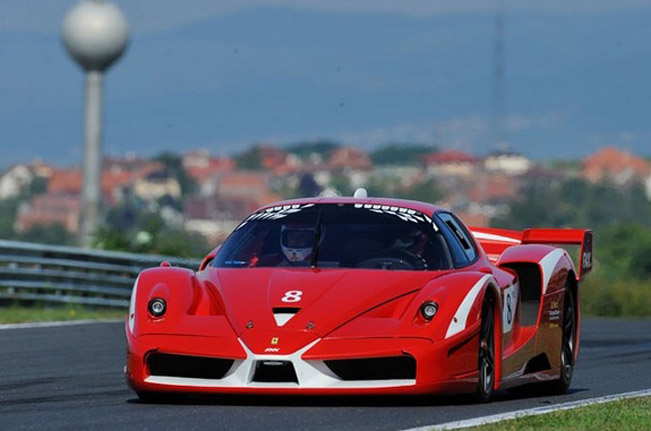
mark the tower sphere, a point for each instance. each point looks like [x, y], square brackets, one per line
[95, 34]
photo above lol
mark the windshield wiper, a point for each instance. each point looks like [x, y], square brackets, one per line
[317, 240]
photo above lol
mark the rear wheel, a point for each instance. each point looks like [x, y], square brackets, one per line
[562, 384]
[486, 360]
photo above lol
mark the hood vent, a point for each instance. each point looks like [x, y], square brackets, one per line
[284, 314]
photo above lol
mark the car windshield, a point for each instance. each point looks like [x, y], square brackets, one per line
[336, 236]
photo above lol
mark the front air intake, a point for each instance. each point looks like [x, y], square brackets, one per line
[274, 372]
[164, 364]
[388, 368]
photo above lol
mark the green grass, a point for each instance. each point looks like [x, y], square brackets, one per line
[616, 298]
[624, 415]
[21, 314]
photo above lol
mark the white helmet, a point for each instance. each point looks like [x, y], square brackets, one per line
[297, 241]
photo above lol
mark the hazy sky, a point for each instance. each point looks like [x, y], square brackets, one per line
[224, 74]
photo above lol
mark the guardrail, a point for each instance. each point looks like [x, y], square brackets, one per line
[44, 273]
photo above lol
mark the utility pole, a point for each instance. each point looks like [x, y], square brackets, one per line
[96, 34]
[499, 105]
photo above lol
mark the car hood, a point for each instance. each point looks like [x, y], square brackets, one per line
[258, 301]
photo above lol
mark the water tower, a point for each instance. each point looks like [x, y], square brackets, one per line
[95, 33]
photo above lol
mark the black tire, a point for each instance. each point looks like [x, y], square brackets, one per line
[486, 356]
[568, 346]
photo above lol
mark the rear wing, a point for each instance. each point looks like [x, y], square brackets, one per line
[495, 241]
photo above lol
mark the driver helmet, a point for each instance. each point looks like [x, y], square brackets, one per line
[297, 241]
[413, 238]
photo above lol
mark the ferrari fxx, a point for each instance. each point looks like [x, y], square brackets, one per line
[361, 296]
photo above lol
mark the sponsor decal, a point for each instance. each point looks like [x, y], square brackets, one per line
[586, 260]
[510, 302]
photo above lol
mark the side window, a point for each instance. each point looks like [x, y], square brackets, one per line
[463, 249]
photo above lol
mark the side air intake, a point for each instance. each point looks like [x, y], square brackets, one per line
[388, 368]
[164, 364]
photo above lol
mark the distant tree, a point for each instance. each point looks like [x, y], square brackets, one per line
[307, 187]
[395, 153]
[575, 203]
[304, 149]
[123, 217]
[8, 208]
[108, 238]
[174, 167]
[341, 183]
[382, 187]
[533, 209]
[566, 165]
[149, 221]
[169, 201]
[249, 159]
[624, 251]
[37, 186]
[426, 191]
[140, 231]
[177, 242]
[47, 234]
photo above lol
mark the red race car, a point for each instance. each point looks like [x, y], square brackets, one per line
[361, 296]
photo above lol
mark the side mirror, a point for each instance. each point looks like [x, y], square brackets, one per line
[209, 258]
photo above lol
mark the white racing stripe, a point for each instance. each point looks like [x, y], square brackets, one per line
[55, 324]
[484, 420]
[458, 322]
[548, 264]
[492, 237]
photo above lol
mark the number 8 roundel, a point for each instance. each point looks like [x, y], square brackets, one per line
[292, 296]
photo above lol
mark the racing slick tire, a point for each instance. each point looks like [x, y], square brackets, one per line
[568, 346]
[486, 356]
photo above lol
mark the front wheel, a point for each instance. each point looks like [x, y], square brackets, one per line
[486, 359]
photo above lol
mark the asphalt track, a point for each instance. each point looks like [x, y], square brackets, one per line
[70, 377]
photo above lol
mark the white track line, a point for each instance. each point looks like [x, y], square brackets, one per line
[55, 324]
[530, 412]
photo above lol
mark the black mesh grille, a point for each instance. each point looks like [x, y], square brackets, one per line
[290, 310]
[163, 364]
[274, 371]
[389, 368]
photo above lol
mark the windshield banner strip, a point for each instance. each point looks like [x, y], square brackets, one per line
[404, 214]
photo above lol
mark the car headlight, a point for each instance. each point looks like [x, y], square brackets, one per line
[428, 310]
[157, 307]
